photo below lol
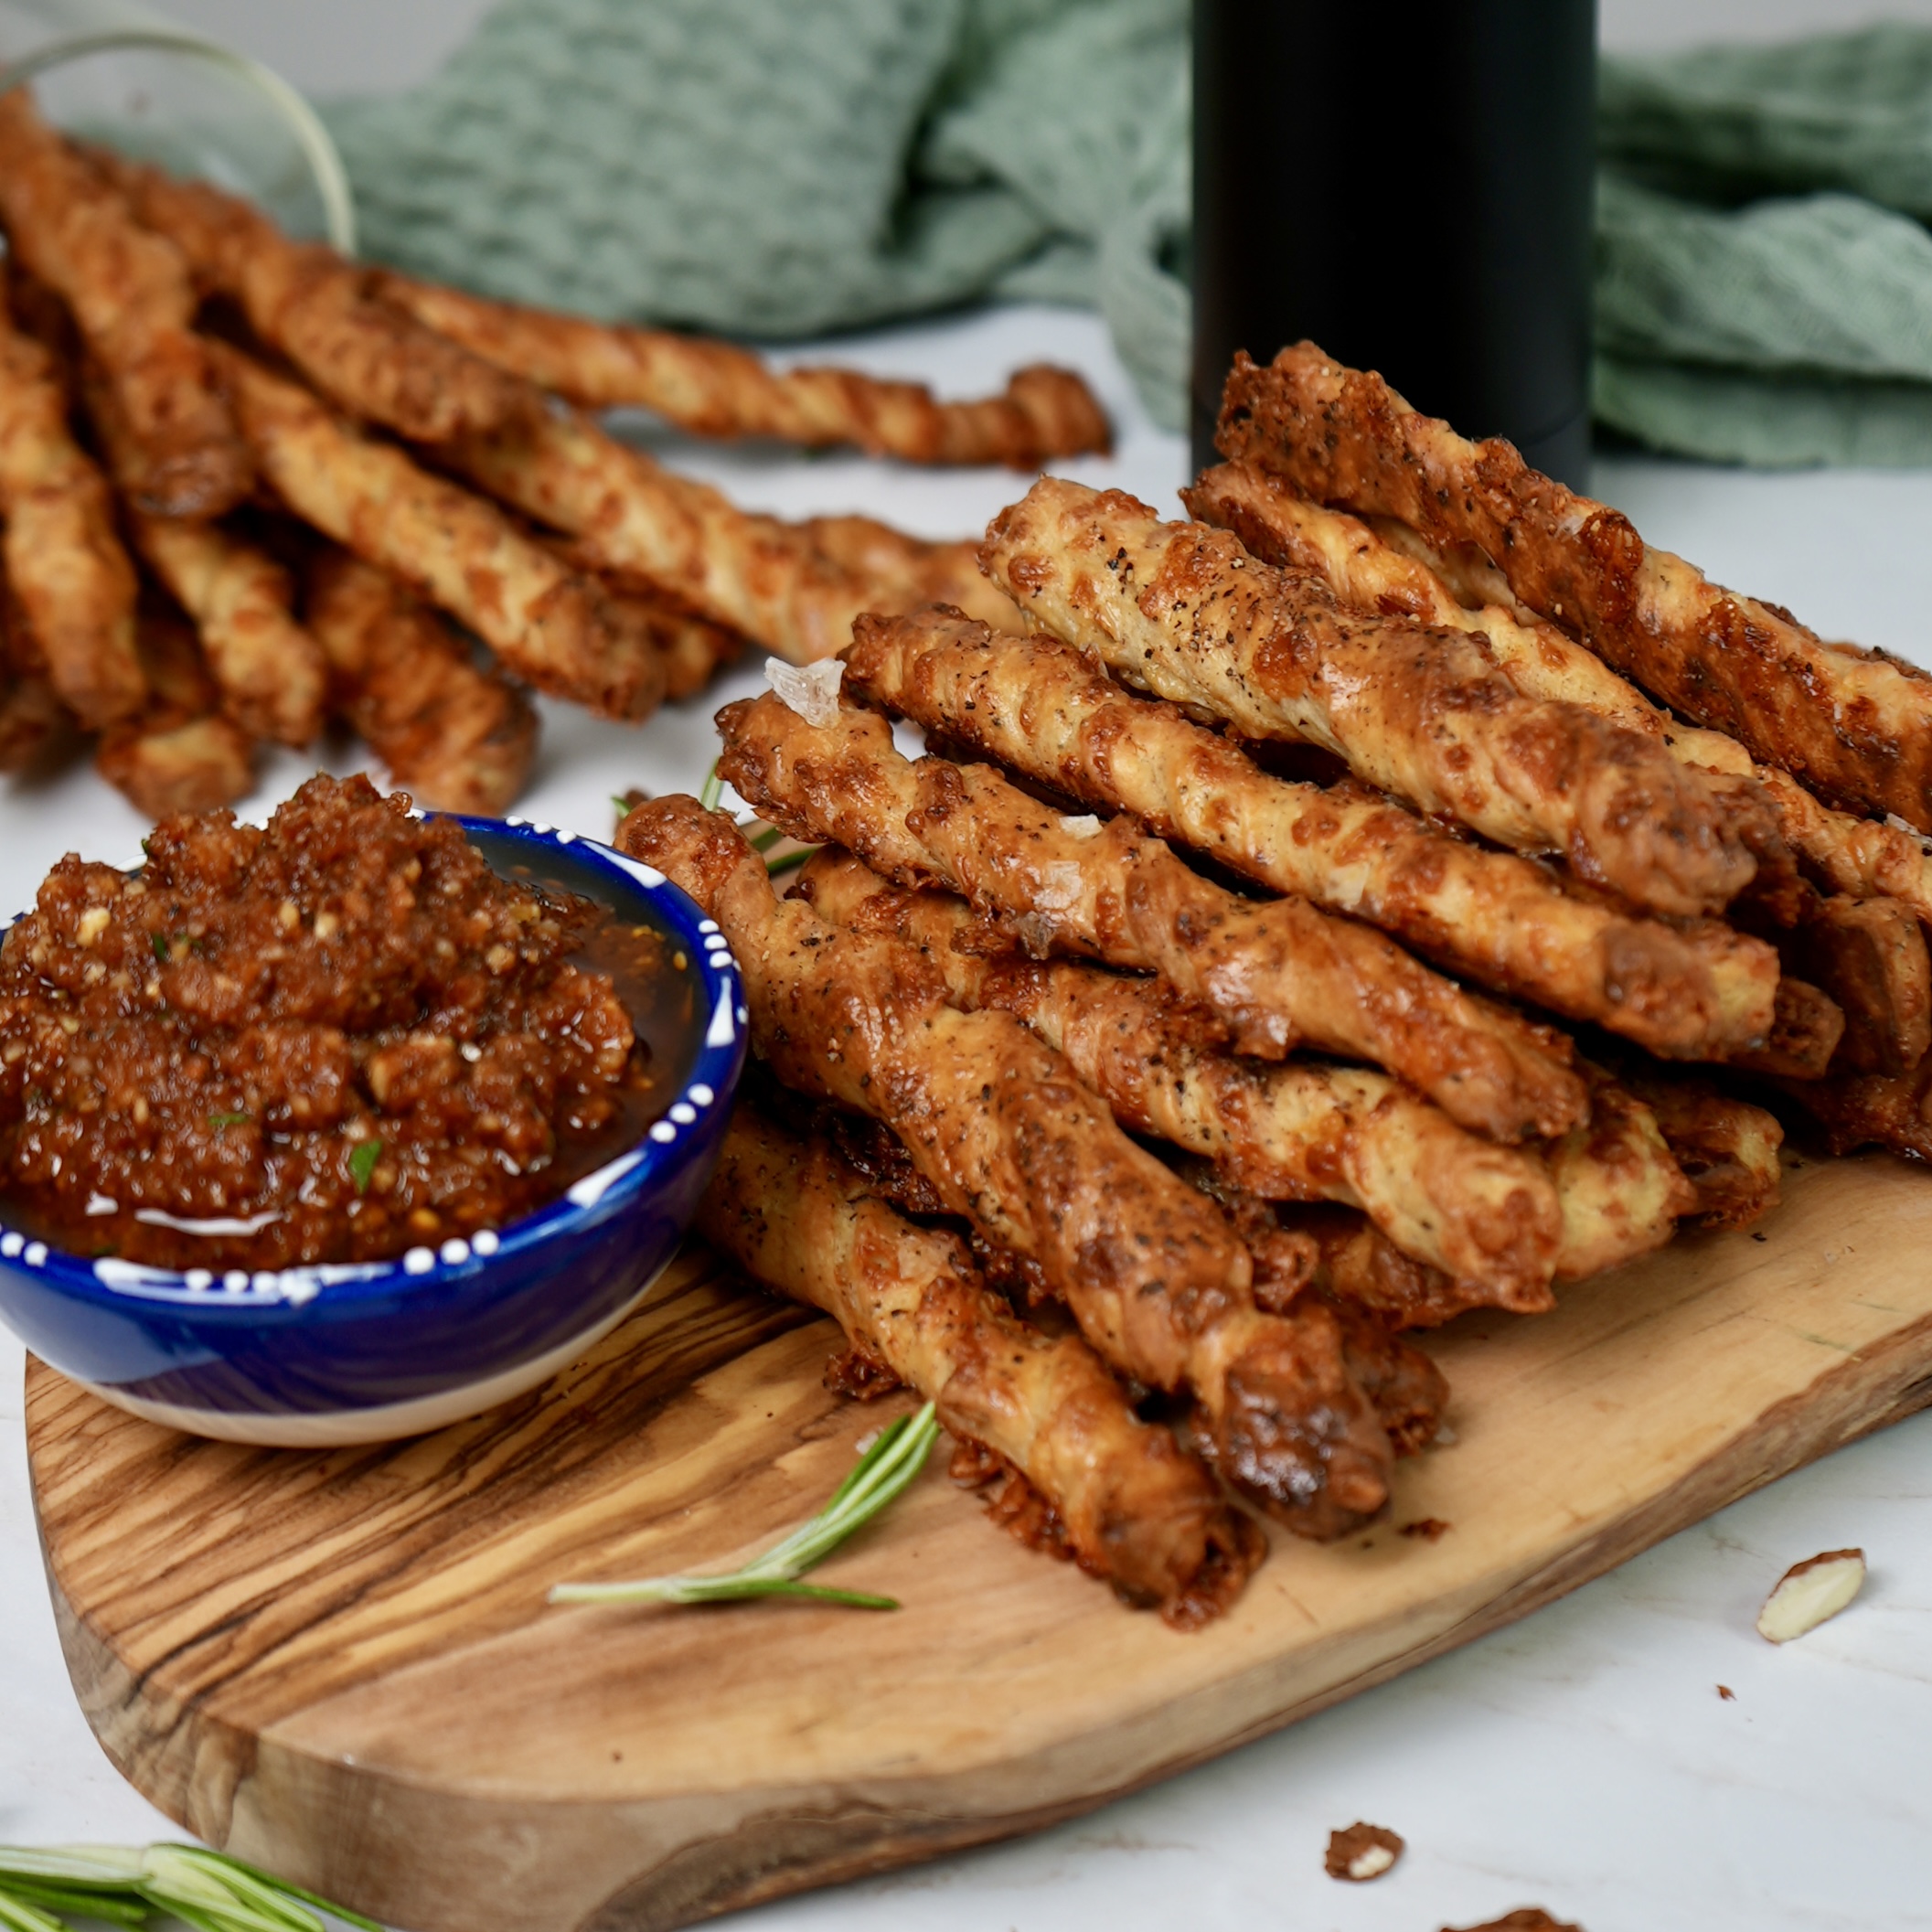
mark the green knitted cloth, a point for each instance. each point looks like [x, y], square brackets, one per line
[771, 168]
[784, 167]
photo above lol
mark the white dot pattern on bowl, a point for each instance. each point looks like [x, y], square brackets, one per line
[11, 1243]
[663, 1133]
[454, 1251]
[682, 1115]
[702, 1094]
[484, 1241]
[419, 1260]
[35, 1255]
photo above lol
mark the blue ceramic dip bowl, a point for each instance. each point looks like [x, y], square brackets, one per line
[306, 1357]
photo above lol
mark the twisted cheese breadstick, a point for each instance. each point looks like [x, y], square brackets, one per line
[1388, 565]
[1136, 1511]
[1184, 611]
[1013, 1142]
[1854, 726]
[712, 389]
[1275, 974]
[271, 673]
[544, 622]
[321, 312]
[71, 583]
[131, 295]
[458, 737]
[1038, 706]
[1483, 1212]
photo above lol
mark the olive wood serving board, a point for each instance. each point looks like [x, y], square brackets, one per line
[340, 1664]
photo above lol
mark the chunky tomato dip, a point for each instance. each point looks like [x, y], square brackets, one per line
[332, 1040]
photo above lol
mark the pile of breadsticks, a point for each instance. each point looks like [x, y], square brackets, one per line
[250, 487]
[1390, 894]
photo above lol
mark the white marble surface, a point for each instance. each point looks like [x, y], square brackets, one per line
[1582, 1760]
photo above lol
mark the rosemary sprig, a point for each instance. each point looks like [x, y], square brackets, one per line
[712, 789]
[882, 1473]
[39, 1889]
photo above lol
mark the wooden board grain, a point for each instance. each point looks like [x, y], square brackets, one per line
[341, 1664]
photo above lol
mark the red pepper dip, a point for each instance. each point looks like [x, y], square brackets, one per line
[330, 1040]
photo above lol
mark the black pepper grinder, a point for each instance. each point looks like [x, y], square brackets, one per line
[1412, 186]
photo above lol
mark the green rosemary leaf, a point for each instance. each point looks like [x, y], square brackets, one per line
[712, 790]
[72, 1864]
[19, 1914]
[109, 1907]
[231, 1862]
[788, 861]
[363, 1157]
[185, 1879]
[883, 1473]
[764, 841]
[159, 941]
[75, 1900]
[207, 1890]
[228, 1120]
[622, 803]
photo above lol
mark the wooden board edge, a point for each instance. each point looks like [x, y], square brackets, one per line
[1796, 1431]
[221, 1785]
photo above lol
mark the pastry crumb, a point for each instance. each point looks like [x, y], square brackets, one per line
[1526, 1918]
[1361, 1852]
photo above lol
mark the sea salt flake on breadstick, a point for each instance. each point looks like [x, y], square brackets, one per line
[809, 689]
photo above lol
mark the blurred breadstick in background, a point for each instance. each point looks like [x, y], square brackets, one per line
[546, 624]
[712, 389]
[912, 571]
[182, 755]
[456, 737]
[271, 674]
[134, 302]
[364, 355]
[691, 646]
[32, 716]
[71, 581]
[629, 515]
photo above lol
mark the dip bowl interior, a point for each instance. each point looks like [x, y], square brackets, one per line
[311, 1356]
